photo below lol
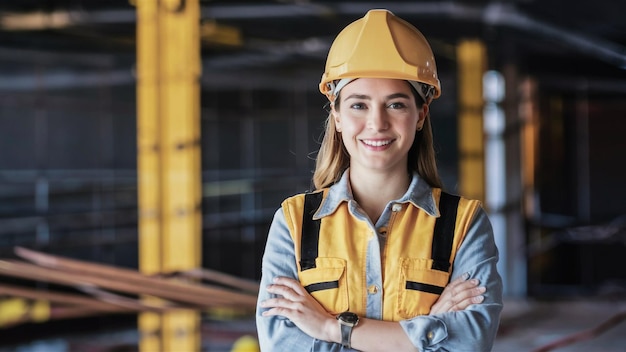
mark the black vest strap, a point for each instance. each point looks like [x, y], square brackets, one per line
[443, 236]
[310, 230]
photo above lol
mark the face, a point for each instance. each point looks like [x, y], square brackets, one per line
[377, 119]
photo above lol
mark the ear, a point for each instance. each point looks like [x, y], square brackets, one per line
[336, 118]
[421, 117]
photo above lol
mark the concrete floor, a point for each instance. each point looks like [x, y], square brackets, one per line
[527, 325]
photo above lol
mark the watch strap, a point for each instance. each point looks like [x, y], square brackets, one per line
[346, 334]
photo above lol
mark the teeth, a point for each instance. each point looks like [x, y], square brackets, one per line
[376, 143]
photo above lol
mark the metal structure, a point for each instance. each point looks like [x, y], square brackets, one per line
[91, 166]
[168, 162]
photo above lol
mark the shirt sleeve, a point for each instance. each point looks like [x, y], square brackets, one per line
[278, 333]
[474, 328]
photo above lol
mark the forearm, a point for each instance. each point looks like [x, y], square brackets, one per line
[278, 333]
[375, 335]
[472, 329]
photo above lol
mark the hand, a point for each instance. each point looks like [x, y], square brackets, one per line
[458, 295]
[301, 308]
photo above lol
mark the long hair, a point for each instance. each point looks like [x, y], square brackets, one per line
[333, 158]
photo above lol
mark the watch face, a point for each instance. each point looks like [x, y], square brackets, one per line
[348, 317]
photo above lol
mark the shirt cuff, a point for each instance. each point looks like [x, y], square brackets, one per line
[425, 332]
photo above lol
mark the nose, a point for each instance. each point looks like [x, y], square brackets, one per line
[378, 119]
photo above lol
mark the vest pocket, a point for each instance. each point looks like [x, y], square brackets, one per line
[419, 286]
[327, 283]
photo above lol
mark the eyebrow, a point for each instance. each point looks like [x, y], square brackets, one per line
[367, 97]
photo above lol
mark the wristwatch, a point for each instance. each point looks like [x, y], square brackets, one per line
[347, 321]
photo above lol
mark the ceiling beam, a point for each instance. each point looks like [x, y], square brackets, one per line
[495, 14]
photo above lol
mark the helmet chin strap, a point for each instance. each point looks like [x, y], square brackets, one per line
[424, 90]
[340, 84]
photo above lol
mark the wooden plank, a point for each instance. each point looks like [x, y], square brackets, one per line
[199, 295]
[122, 274]
[73, 265]
[223, 279]
[60, 298]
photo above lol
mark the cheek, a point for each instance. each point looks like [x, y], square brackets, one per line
[351, 128]
[348, 124]
[410, 129]
[412, 123]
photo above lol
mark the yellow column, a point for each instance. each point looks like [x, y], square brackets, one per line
[472, 63]
[168, 161]
[529, 114]
[19, 310]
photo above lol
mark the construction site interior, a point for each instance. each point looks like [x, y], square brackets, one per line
[145, 146]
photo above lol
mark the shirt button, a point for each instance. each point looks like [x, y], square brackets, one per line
[430, 335]
[396, 207]
[373, 290]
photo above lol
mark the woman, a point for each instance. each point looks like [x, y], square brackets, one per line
[378, 258]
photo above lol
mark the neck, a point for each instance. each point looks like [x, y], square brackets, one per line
[374, 190]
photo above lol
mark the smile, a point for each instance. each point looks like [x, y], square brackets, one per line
[376, 143]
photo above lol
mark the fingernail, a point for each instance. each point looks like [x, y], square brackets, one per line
[465, 276]
[474, 281]
[478, 299]
[482, 289]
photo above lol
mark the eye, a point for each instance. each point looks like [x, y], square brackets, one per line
[358, 106]
[397, 105]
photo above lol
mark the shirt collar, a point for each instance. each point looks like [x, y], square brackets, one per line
[419, 194]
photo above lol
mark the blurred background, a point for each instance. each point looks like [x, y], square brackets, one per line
[159, 136]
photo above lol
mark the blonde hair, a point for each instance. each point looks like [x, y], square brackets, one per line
[333, 158]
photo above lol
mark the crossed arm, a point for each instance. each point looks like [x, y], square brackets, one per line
[294, 303]
[464, 318]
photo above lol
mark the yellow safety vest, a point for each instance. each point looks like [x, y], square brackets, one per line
[331, 253]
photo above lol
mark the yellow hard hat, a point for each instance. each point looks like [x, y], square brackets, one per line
[381, 45]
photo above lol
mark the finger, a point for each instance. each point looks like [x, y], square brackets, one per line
[467, 297]
[282, 307]
[291, 283]
[466, 302]
[284, 291]
[461, 283]
[444, 302]
[455, 293]
[294, 311]
[464, 286]
[457, 287]
[464, 290]
[282, 311]
[276, 302]
[459, 279]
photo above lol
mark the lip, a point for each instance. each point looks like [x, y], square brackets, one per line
[376, 144]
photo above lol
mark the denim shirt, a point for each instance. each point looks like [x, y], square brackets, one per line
[472, 329]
